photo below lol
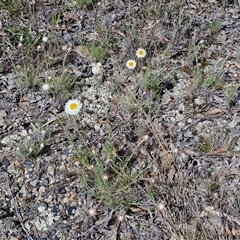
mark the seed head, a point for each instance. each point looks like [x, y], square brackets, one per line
[92, 211]
[120, 217]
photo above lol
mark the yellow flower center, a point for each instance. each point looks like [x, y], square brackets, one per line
[73, 106]
[140, 52]
[130, 64]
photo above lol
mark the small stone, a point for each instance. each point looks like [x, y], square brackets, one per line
[28, 163]
[50, 219]
[5, 163]
[23, 190]
[97, 127]
[62, 168]
[42, 189]
[199, 101]
[35, 192]
[7, 149]
[34, 183]
[78, 73]
[70, 210]
[56, 218]
[49, 199]
[30, 131]
[65, 200]
[5, 140]
[50, 170]
[41, 209]
[55, 209]
[11, 168]
[24, 133]
[78, 212]
[14, 136]
[13, 238]
[40, 225]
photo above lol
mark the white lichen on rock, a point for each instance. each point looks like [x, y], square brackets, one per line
[44, 219]
[96, 101]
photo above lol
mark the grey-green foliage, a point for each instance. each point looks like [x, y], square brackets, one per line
[230, 93]
[98, 51]
[84, 3]
[11, 5]
[214, 26]
[151, 81]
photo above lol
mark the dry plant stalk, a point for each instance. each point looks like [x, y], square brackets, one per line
[161, 142]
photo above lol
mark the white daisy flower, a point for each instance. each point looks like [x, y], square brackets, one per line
[97, 68]
[45, 87]
[131, 64]
[72, 107]
[141, 53]
[45, 39]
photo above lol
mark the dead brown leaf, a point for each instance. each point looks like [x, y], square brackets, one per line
[215, 111]
[70, 16]
[24, 103]
[150, 25]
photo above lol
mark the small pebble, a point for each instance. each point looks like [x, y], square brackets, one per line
[41, 209]
[14, 136]
[62, 168]
[13, 238]
[28, 163]
[42, 189]
[5, 140]
[24, 191]
[50, 170]
[24, 133]
[49, 199]
[65, 200]
[5, 163]
[70, 210]
[97, 127]
[27, 225]
[55, 209]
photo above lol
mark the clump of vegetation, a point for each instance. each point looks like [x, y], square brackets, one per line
[98, 51]
[83, 3]
[33, 146]
[11, 5]
[230, 93]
